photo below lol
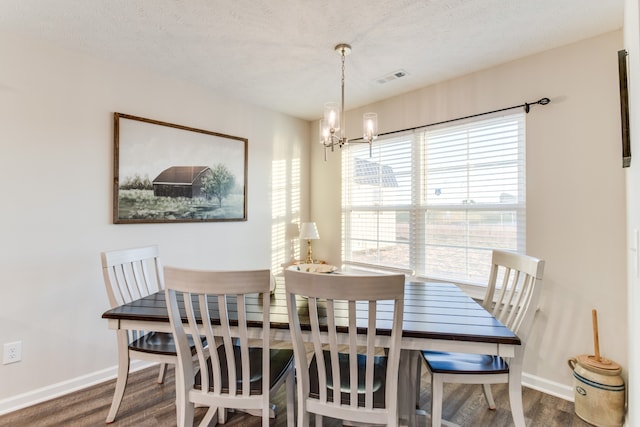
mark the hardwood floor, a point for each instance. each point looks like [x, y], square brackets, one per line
[148, 404]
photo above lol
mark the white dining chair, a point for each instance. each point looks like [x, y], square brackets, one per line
[239, 371]
[351, 376]
[130, 274]
[512, 296]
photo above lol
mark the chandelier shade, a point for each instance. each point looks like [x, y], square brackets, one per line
[369, 126]
[332, 116]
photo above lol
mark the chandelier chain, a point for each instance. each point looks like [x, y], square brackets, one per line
[342, 115]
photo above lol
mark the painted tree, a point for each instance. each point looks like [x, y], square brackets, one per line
[219, 183]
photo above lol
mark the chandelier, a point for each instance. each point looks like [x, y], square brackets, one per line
[332, 124]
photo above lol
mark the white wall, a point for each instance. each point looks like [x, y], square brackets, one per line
[56, 169]
[575, 190]
[632, 45]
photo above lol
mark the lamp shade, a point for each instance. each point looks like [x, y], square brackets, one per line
[309, 231]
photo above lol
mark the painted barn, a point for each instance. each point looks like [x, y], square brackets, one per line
[181, 181]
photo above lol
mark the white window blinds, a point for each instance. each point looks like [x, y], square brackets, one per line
[437, 201]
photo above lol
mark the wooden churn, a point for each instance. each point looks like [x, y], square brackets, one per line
[598, 386]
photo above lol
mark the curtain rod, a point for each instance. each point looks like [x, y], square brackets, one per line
[526, 105]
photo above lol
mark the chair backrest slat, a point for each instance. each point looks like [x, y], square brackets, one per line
[205, 315]
[344, 318]
[353, 354]
[370, 353]
[317, 344]
[244, 347]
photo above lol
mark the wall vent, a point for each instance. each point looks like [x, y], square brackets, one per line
[392, 76]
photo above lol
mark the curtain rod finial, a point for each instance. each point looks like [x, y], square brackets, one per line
[541, 101]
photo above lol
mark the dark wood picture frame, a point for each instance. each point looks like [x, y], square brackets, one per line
[624, 108]
[168, 173]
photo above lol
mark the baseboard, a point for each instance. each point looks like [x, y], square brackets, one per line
[552, 388]
[65, 387]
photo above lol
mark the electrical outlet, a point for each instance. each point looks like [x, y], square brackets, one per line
[12, 352]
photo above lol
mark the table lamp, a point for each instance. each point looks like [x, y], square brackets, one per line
[309, 232]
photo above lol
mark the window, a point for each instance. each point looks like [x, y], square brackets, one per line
[435, 202]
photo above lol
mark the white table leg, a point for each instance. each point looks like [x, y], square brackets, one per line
[409, 389]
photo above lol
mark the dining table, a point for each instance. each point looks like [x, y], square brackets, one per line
[437, 316]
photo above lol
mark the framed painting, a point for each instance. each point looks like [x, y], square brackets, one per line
[165, 172]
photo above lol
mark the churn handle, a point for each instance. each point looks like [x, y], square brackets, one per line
[572, 363]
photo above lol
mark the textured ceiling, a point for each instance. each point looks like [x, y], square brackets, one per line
[279, 53]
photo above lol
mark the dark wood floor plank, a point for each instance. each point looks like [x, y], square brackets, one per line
[148, 404]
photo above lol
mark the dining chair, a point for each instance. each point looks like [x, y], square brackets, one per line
[347, 316]
[512, 296]
[130, 274]
[239, 371]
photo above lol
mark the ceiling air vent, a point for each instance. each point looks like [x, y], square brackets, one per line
[392, 76]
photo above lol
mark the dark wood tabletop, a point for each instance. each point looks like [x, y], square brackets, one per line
[432, 311]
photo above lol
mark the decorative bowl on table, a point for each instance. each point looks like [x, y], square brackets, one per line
[314, 268]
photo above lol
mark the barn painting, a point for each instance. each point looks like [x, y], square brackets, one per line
[181, 181]
[183, 190]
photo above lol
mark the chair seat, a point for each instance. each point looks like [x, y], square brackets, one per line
[158, 343]
[379, 375]
[463, 363]
[281, 363]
